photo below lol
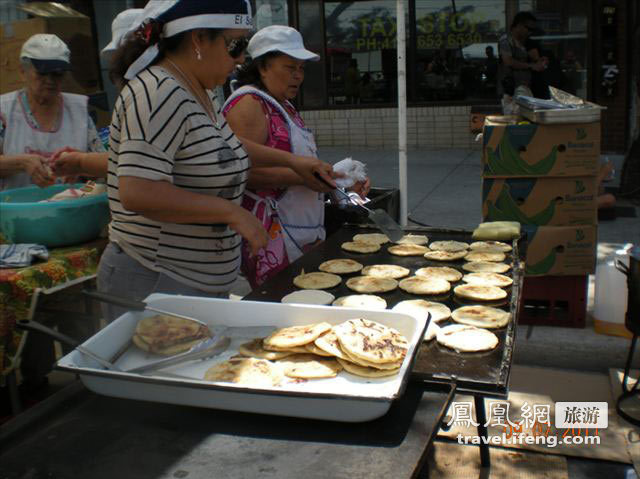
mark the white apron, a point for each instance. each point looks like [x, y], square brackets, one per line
[300, 209]
[20, 137]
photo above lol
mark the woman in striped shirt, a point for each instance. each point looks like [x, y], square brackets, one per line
[177, 172]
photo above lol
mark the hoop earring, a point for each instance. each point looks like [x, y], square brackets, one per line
[198, 56]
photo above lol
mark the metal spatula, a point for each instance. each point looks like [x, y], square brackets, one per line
[380, 218]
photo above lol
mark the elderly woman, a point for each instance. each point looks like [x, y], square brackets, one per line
[261, 110]
[177, 172]
[39, 120]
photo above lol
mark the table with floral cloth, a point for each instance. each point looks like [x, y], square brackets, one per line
[66, 266]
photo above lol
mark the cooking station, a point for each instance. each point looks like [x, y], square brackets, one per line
[77, 433]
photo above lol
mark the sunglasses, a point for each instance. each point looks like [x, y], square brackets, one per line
[236, 46]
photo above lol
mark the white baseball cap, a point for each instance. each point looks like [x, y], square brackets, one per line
[47, 53]
[124, 22]
[279, 38]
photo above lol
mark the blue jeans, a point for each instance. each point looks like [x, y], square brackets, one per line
[121, 275]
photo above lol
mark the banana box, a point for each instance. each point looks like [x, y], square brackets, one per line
[560, 250]
[541, 201]
[528, 149]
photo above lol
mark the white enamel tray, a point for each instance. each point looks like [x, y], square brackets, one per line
[346, 397]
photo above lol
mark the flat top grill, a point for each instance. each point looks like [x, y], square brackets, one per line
[485, 373]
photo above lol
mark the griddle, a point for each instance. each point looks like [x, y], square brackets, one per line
[485, 373]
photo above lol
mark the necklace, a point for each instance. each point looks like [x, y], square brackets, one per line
[204, 100]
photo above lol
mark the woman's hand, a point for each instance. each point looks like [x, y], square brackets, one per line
[250, 228]
[362, 188]
[67, 162]
[307, 167]
[37, 168]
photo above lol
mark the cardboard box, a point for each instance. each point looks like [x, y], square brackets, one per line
[540, 150]
[560, 250]
[72, 27]
[541, 201]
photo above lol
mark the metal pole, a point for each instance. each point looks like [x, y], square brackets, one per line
[402, 110]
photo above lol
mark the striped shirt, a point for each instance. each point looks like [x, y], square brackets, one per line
[159, 132]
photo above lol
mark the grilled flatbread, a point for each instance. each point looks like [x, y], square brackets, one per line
[366, 372]
[449, 245]
[445, 255]
[308, 296]
[413, 239]
[450, 274]
[479, 293]
[490, 245]
[494, 256]
[486, 267]
[360, 247]
[408, 250]
[249, 371]
[425, 285]
[481, 316]
[418, 308]
[361, 301]
[168, 335]
[317, 280]
[369, 364]
[254, 349]
[313, 349]
[374, 238]
[371, 341]
[488, 279]
[294, 336]
[309, 366]
[329, 343]
[386, 271]
[340, 266]
[467, 339]
[369, 284]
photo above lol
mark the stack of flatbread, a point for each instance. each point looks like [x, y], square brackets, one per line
[168, 335]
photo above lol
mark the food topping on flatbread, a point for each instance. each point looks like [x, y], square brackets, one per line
[479, 293]
[294, 336]
[449, 245]
[360, 247]
[316, 280]
[369, 284]
[413, 239]
[374, 238]
[340, 266]
[249, 371]
[371, 341]
[361, 301]
[445, 255]
[481, 316]
[486, 267]
[408, 249]
[386, 271]
[254, 349]
[418, 308]
[425, 285]
[467, 339]
[488, 279]
[309, 366]
[168, 335]
[445, 272]
[491, 246]
[494, 256]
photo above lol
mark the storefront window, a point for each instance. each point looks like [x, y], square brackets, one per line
[457, 49]
[361, 51]
[271, 12]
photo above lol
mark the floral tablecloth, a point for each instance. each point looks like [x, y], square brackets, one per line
[18, 285]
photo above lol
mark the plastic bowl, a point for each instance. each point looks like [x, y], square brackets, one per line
[60, 223]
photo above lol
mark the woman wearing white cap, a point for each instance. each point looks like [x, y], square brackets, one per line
[39, 120]
[177, 172]
[261, 110]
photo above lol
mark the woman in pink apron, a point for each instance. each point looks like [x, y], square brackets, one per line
[261, 111]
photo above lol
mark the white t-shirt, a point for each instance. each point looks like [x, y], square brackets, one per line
[159, 132]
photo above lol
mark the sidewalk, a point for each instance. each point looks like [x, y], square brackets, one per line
[444, 190]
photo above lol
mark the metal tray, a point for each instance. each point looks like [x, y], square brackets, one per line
[553, 117]
[343, 398]
[485, 373]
